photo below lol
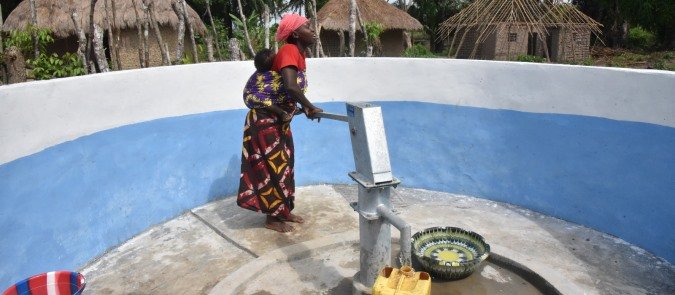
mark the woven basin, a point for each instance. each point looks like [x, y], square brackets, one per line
[449, 253]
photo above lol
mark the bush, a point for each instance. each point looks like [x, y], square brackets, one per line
[659, 65]
[53, 66]
[24, 41]
[373, 31]
[639, 38]
[530, 58]
[418, 50]
[44, 66]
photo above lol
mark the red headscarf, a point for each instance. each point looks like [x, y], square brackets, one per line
[289, 23]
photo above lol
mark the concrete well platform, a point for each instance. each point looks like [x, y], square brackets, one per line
[220, 248]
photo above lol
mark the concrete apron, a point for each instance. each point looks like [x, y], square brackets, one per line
[220, 248]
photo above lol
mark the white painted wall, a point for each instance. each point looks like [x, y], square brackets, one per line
[37, 115]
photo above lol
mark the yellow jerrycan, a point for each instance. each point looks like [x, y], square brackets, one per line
[404, 281]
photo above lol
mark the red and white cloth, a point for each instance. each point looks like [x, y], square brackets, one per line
[50, 283]
[289, 23]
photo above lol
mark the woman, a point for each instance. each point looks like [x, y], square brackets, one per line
[267, 181]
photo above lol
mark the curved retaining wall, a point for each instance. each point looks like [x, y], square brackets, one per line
[86, 163]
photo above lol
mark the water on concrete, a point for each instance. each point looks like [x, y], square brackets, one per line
[488, 279]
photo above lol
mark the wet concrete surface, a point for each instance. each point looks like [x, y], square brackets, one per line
[487, 279]
[220, 248]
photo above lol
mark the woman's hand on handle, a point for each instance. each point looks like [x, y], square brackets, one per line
[310, 111]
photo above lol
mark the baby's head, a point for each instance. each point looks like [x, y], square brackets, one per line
[264, 60]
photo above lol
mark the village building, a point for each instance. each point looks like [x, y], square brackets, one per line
[56, 16]
[507, 29]
[334, 26]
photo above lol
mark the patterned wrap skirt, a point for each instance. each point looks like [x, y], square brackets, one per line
[267, 182]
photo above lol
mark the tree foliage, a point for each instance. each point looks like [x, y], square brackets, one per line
[24, 41]
[55, 66]
[256, 30]
[431, 13]
[657, 16]
[44, 66]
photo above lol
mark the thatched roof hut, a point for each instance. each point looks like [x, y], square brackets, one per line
[334, 17]
[503, 29]
[56, 16]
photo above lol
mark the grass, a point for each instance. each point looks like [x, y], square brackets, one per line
[660, 60]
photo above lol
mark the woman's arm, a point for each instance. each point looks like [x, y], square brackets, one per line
[290, 76]
[283, 115]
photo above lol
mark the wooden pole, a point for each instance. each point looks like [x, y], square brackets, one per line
[81, 39]
[2, 47]
[248, 38]
[461, 40]
[275, 12]
[99, 50]
[166, 60]
[3, 72]
[213, 27]
[407, 38]
[90, 37]
[548, 55]
[310, 12]
[139, 28]
[317, 30]
[209, 48]
[146, 35]
[266, 24]
[508, 44]
[191, 31]
[180, 39]
[235, 52]
[33, 17]
[352, 27]
[108, 27]
[341, 47]
[454, 38]
[116, 30]
[369, 48]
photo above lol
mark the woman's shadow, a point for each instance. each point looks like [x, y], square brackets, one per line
[228, 184]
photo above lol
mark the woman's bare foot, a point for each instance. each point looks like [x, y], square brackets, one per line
[295, 218]
[276, 224]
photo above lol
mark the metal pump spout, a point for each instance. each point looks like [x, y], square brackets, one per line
[375, 179]
[403, 227]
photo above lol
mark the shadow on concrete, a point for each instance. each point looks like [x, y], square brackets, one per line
[228, 184]
[314, 261]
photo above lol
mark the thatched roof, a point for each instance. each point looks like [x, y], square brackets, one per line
[56, 15]
[334, 15]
